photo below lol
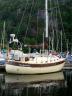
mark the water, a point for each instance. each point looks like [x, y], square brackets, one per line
[54, 84]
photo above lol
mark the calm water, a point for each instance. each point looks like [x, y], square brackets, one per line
[55, 84]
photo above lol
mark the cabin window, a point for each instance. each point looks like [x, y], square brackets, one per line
[26, 59]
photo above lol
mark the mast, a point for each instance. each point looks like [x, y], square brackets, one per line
[3, 36]
[61, 40]
[46, 17]
[67, 46]
[43, 41]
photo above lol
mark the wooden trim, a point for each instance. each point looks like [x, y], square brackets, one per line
[34, 65]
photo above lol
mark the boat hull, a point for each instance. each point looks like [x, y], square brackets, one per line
[33, 70]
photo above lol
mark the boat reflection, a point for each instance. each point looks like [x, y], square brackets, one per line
[10, 78]
[32, 85]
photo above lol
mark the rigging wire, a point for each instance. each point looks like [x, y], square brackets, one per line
[37, 20]
[52, 25]
[29, 19]
[57, 30]
[61, 19]
[22, 17]
[32, 7]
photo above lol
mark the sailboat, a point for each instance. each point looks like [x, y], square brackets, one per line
[36, 65]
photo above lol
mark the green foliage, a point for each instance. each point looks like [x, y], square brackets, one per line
[25, 20]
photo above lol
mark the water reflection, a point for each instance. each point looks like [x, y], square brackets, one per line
[10, 78]
[68, 77]
[33, 85]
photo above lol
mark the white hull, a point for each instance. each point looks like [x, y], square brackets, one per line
[33, 70]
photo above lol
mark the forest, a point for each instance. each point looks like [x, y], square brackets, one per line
[26, 19]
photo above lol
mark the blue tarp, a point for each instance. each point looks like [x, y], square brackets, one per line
[2, 62]
[69, 58]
